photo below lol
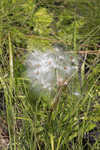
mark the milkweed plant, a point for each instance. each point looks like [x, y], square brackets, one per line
[47, 70]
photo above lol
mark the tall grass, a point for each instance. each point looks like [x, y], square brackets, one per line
[31, 127]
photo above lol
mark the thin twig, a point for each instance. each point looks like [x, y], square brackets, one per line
[96, 52]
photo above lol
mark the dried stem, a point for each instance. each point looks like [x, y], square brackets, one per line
[59, 91]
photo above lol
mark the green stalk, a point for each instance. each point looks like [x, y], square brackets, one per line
[9, 99]
[75, 33]
[11, 63]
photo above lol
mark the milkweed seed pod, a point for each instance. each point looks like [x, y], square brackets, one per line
[47, 70]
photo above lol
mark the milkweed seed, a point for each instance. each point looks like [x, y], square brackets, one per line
[49, 62]
[65, 68]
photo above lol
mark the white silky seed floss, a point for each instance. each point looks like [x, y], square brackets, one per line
[47, 69]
